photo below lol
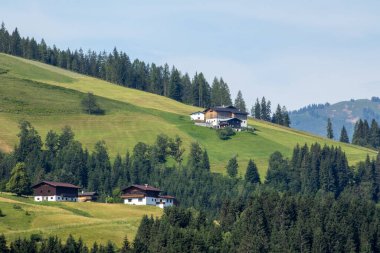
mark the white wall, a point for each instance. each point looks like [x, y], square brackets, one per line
[149, 201]
[54, 198]
[197, 116]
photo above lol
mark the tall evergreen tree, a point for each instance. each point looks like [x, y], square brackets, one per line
[175, 85]
[252, 175]
[330, 133]
[344, 136]
[232, 167]
[239, 102]
[19, 183]
[257, 110]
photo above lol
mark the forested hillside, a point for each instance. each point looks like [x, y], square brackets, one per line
[313, 118]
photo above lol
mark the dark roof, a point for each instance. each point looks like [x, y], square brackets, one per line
[143, 187]
[167, 197]
[88, 194]
[57, 184]
[227, 120]
[230, 108]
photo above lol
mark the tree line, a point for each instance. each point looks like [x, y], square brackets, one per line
[262, 110]
[118, 68]
[364, 134]
[313, 201]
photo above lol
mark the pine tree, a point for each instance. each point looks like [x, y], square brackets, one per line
[232, 167]
[277, 116]
[252, 175]
[239, 102]
[344, 136]
[3, 244]
[285, 117]
[90, 105]
[175, 85]
[205, 161]
[257, 110]
[330, 133]
[126, 246]
[19, 183]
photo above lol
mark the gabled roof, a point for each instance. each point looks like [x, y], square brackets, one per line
[143, 188]
[196, 112]
[230, 108]
[56, 184]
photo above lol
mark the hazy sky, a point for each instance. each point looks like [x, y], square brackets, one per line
[293, 52]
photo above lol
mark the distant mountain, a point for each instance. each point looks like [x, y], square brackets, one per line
[313, 118]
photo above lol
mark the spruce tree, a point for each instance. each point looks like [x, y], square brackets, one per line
[90, 105]
[285, 117]
[330, 133]
[344, 136]
[126, 246]
[3, 244]
[252, 175]
[257, 110]
[205, 161]
[19, 183]
[232, 167]
[239, 102]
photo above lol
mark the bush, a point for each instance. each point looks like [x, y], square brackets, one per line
[17, 207]
[1, 213]
[36, 237]
[90, 105]
[225, 133]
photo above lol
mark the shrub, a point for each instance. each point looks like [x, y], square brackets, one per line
[17, 207]
[1, 213]
[225, 133]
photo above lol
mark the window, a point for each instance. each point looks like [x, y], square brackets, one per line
[48, 190]
[51, 197]
[140, 200]
[58, 198]
[129, 200]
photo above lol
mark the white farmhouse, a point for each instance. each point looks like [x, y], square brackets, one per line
[145, 195]
[222, 116]
[198, 116]
[55, 191]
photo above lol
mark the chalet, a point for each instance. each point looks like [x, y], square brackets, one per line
[146, 195]
[198, 116]
[87, 196]
[55, 191]
[222, 116]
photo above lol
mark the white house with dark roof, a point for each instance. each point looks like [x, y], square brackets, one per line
[55, 191]
[221, 116]
[146, 195]
[197, 116]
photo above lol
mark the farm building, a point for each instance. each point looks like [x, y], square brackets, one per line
[55, 191]
[146, 195]
[87, 196]
[222, 116]
[198, 116]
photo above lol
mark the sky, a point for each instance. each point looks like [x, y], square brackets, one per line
[292, 52]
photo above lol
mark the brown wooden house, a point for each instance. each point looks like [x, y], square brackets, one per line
[55, 191]
[227, 115]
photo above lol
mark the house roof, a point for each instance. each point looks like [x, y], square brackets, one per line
[230, 108]
[143, 188]
[88, 194]
[56, 184]
[196, 112]
[222, 120]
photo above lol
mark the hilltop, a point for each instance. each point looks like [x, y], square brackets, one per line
[91, 221]
[49, 97]
[313, 118]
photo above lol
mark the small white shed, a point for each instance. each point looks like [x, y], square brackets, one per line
[198, 116]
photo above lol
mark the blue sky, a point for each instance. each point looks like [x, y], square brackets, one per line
[293, 52]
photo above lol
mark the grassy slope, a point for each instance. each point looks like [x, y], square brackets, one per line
[92, 221]
[52, 100]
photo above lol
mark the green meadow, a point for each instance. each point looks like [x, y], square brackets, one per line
[49, 97]
[92, 222]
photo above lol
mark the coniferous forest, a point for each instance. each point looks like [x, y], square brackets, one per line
[312, 202]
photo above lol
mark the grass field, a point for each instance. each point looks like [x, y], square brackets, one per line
[91, 221]
[49, 98]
